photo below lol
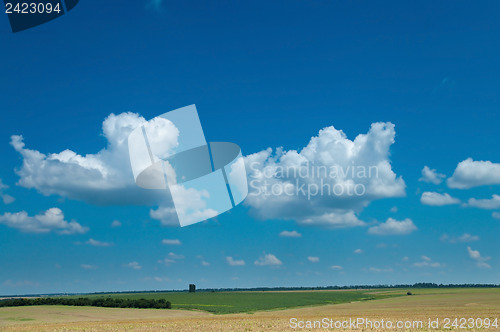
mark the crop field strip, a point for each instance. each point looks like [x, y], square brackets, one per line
[237, 302]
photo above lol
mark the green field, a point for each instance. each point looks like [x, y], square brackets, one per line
[236, 302]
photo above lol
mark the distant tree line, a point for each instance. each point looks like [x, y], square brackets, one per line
[108, 302]
[416, 285]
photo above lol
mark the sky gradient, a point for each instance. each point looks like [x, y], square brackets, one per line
[419, 80]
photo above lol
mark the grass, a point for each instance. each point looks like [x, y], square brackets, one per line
[236, 302]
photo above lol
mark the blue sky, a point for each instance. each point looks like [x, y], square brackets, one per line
[262, 75]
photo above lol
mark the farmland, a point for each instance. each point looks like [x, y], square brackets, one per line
[424, 304]
[236, 302]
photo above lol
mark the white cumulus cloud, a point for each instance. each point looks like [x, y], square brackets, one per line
[103, 178]
[470, 173]
[431, 176]
[268, 260]
[48, 221]
[313, 259]
[437, 199]
[488, 204]
[393, 227]
[106, 177]
[326, 183]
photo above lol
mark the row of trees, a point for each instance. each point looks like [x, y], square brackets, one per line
[416, 285]
[109, 302]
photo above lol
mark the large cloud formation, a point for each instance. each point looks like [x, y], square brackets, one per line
[328, 182]
[104, 178]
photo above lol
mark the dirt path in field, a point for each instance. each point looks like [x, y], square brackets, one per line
[401, 309]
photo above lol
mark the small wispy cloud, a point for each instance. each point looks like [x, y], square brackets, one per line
[234, 262]
[172, 242]
[88, 267]
[290, 234]
[175, 256]
[20, 283]
[170, 259]
[480, 261]
[154, 5]
[116, 224]
[446, 87]
[466, 237]
[427, 262]
[431, 176]
[96, 243]
[160, 279]
[313, 259]
[7, 199]
[133, 265]
[166, 261]
[380, 270]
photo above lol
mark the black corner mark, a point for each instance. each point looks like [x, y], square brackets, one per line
[26, 14]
